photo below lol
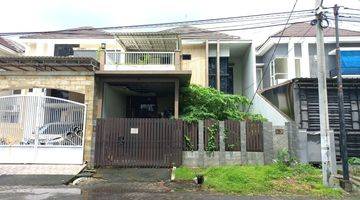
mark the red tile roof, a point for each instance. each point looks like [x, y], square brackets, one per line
[304, 29]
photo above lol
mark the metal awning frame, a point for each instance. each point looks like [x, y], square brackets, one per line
[47, 63]
[148, 41]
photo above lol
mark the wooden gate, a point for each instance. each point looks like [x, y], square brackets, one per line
[129, 142]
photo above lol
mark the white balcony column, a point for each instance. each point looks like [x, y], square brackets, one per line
[305, 66]
[291, 60]
[218, 75]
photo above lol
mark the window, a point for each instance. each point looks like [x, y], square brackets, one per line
[64, 49]
[278, 70]
[226, 74]
[186, 56]
[259, 75]
[16, 91]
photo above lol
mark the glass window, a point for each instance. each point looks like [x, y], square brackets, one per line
[259, 75]
[278, 70]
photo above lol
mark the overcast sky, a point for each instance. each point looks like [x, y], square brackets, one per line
[39, 15]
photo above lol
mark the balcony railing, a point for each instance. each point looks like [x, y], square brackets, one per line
[140, 58]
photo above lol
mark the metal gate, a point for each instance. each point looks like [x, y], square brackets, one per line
[41, 129]
[128, 142]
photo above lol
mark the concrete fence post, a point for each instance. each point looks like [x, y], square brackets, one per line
[302, 151]
[243, 142]
[222, 143]
[268, 145]
[201, 150]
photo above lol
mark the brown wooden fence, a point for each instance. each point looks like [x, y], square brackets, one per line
[190, 131]
[232, 135]
[254, 137]
[127, 142]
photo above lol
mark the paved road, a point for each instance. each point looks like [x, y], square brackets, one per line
[115, 184]
[113, 191]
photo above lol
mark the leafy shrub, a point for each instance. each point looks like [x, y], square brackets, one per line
[354, 161]
[285, 158]
[199, 103]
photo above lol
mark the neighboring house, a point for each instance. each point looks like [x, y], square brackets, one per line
[290, 83]
[295, 55]
[10, 48]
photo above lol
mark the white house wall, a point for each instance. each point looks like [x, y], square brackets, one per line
[249, 72]
[45, 47]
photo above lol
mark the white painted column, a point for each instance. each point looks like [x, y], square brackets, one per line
[304, 65]
[291, 60]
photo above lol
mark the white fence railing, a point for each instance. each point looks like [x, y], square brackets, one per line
[41, 121]
[140, 58]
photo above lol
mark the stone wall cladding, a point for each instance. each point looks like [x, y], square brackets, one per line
[81, 82]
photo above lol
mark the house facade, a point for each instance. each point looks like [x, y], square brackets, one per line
[184, 55]
[86, 74]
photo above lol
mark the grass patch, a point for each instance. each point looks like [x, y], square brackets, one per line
[262, 180]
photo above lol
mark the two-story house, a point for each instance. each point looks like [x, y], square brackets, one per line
[141, 72]
[87, 74]
[289, 74]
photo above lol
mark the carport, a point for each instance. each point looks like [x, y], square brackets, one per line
[140, 94]
[42, 129]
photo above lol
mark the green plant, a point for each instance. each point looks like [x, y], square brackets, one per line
[285, 158]
[146, 59]
[199, 103]
[189, 146]
[211, 143]
[262, 180]
[354, 161]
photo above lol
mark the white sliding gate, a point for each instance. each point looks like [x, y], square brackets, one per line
[41, 129]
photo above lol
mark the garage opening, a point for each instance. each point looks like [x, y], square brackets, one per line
[139, 100]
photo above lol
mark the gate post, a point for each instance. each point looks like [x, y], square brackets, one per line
[268, 146]
[243, 142]
[201, 143]
[222, 143]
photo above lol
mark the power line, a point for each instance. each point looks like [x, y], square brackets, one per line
[354, 9]
[169, 24]
[272, 56]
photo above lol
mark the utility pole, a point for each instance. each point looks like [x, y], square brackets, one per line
[345, 183]
[328, 167]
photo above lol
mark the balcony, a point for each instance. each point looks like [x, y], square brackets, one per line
[116, 60]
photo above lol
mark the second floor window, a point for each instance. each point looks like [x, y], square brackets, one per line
[278, 70]
[64, 49]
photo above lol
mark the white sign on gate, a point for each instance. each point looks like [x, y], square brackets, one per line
[134, 131]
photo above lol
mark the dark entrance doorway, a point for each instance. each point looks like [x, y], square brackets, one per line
[139, 100]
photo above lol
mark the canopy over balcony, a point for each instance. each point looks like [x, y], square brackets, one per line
[148, 41]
